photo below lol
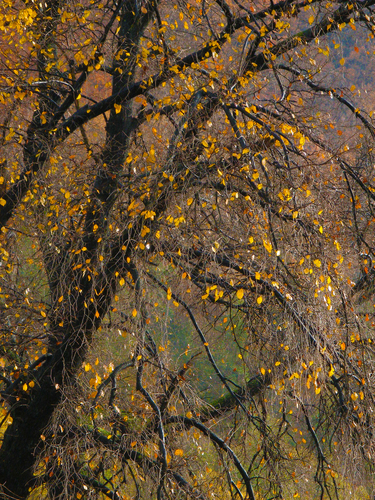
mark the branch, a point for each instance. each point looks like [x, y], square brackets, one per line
[328, 24]
[97, 485]
[227, 402]
[191, 422]
[162, 448]
[313, 335]
[110, 379]
[150, 467]
[331, 92]
[223, 379]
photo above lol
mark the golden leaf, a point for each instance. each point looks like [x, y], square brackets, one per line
[267, 246]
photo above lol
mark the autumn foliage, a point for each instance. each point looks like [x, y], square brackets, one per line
[187, 251]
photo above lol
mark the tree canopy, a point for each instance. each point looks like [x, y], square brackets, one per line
[187, 249]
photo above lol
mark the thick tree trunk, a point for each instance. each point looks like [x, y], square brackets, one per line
[23, 438]
[33, 411]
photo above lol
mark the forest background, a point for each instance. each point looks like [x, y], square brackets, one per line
[187, 249]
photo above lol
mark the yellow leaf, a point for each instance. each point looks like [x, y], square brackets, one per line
[342, 61]
[260, 299]
[24, 387]
[179, 453]
[189, 202]
[263, 371]
[134, 313]
[239, 294]
[97, 314]
[267, 246]
[317, 263]
[122, 282]
[117, 108]
[169, 294]
[149, 214]
[2, 201]
[311, 19]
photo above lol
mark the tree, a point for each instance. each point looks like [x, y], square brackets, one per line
[187, 247]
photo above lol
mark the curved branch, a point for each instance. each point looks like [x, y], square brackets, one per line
[223, 379]
[191, 422]
[331, 92]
